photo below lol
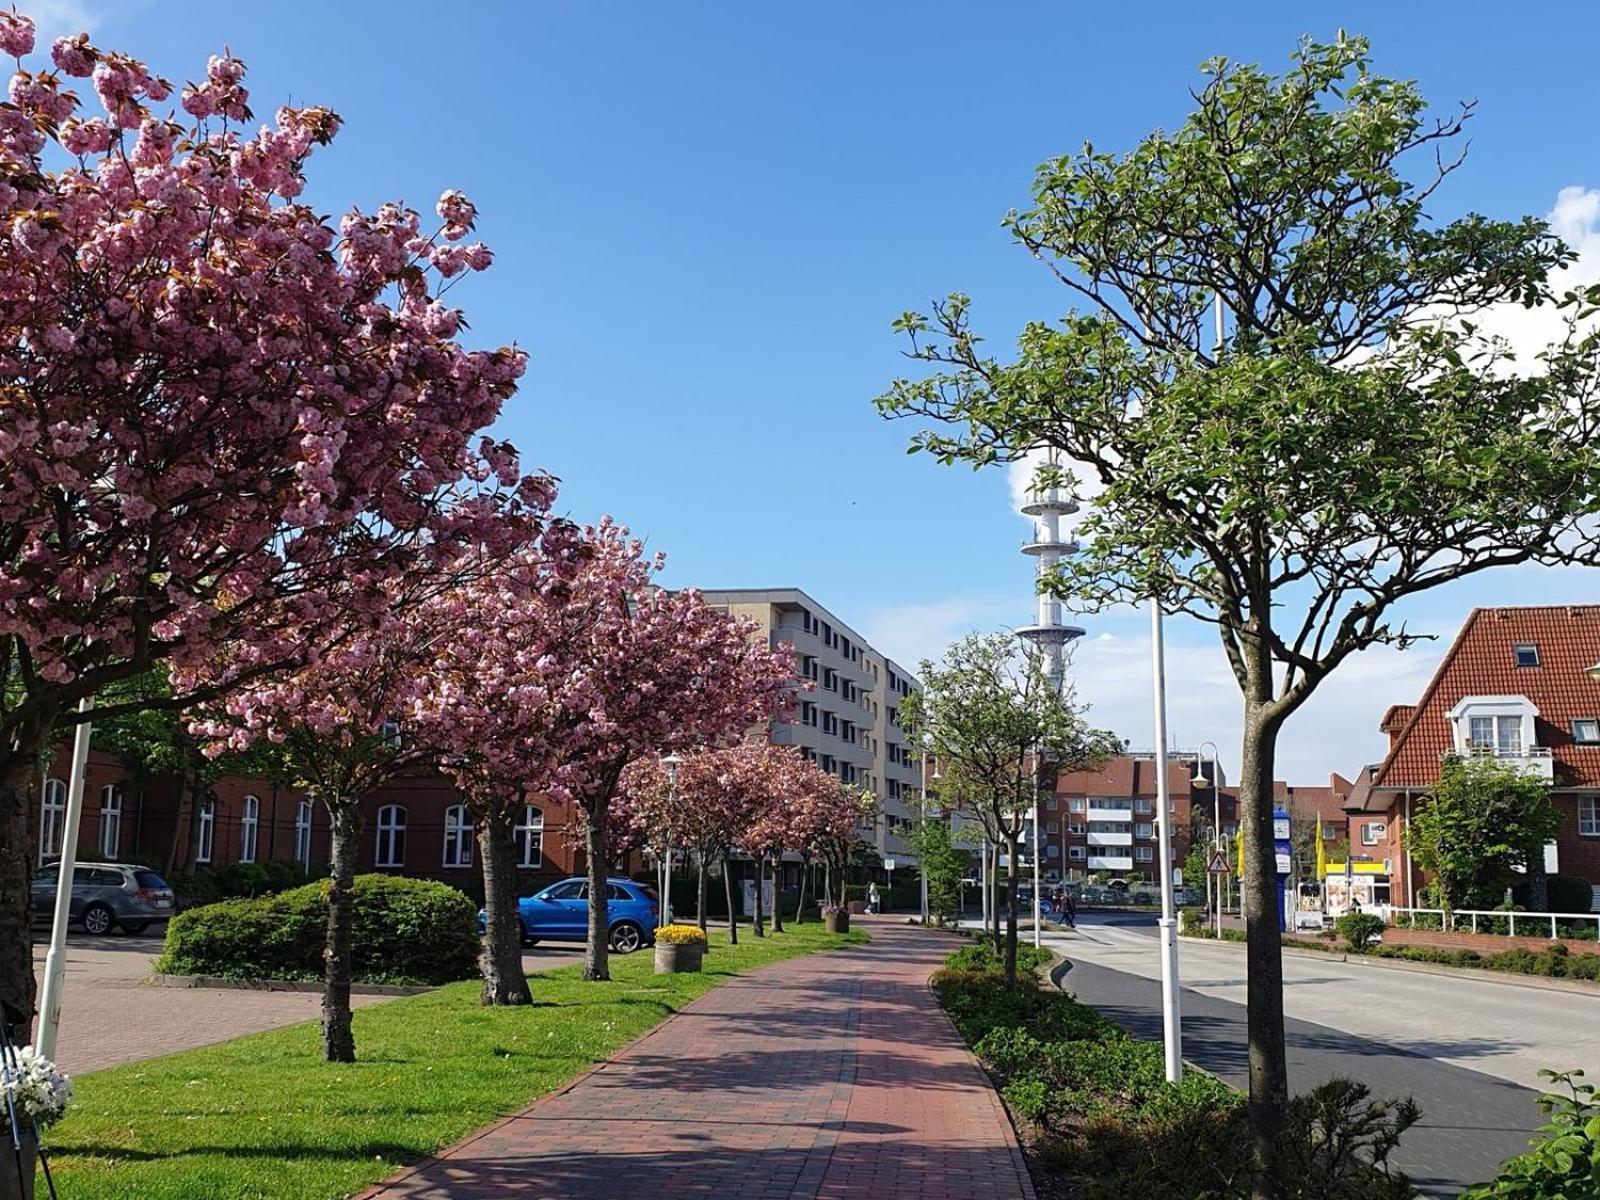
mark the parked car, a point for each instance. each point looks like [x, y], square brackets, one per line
[1144, 895]
[1184, 896]
[560, 913]
[105, 895]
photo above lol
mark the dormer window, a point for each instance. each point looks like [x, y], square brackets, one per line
[1527, 654]
[1499, 735]
[1586, 731]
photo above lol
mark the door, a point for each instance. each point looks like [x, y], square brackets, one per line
[558, 911]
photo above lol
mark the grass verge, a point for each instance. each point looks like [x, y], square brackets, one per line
[263, 1117]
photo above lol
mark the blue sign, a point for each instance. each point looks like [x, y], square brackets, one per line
[1283, 851]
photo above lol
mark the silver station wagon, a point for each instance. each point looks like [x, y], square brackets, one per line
[106, 895]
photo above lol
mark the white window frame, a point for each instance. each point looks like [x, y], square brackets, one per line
[1374, 833]
[249, 828]
[457, 850]
[302, 832]
[1075, 804]
[1052, 851]
[389, 849]
[208, 832]
[1594, 725]
[529, 835]
[1144, 854]
[1511, 719]
[1589, 816]
[1144, 829]
[52, 819]
[110, 821]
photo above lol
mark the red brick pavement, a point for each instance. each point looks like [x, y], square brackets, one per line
[834, 1075]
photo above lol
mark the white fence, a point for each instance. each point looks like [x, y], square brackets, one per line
[1533, 922]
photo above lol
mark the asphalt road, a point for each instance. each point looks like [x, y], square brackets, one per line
[1462, 1049]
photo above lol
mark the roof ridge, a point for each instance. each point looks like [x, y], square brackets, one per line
[1427, 693]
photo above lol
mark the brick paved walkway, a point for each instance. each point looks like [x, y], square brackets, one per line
[834, 1075]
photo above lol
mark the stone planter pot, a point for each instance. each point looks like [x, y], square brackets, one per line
[837, 922]
[12, 1188]
[672, 957]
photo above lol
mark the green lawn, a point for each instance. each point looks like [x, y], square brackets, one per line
[262, 1116]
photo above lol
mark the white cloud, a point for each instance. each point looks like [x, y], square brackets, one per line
[909, 633]
[58, 18]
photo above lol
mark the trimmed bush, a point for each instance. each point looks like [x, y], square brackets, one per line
[1358, 929]
[980, 956]
[240, 880]
[409, 931]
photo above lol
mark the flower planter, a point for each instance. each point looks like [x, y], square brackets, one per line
[672, 957]
[11, 1188]
[837, 922]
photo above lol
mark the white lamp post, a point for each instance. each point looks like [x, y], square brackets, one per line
[1172, 1034]
[55, 963]
[672, 762]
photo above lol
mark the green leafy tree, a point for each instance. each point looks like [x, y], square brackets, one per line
[1351, 440]
[1484, 824]
[942, 861]
[992, 720]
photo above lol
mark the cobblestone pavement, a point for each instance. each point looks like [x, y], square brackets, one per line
[834, 1075]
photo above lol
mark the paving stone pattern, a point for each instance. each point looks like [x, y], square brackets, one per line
[834, 1075]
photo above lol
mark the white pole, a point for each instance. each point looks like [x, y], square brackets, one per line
[922, 859]
[1038, 934]
[983, 882]
[1216, 828]
[55, 963]
[1172, 1034]
[666, 895]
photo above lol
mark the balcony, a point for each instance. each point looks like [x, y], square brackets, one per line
[1528, 760]
[1110, 839]
[1111, 862]
[1122, 815]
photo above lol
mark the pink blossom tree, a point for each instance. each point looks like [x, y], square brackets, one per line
[610, 670]
[220, 415]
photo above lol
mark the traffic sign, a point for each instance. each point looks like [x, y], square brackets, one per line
[1218, 864]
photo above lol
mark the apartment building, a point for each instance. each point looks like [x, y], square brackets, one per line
[1105, 820]
[848, 724]
[1518, 685]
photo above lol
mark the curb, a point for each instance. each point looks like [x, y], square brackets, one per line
[1581, 987]
[282, 985]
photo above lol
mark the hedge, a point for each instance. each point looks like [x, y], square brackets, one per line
[407, 931]
[239, 881]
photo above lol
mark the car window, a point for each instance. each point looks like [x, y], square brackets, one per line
[149, 879]
[95, 877]
[45, 879]
[616, 891]
[646, 890]
[564, 891]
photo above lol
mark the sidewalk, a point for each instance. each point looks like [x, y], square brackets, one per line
[834, 1075]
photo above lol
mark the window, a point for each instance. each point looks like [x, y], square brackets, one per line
[1075, 852]
[847, 772]
[52, 819]
[457, 836]
[1589, 816]
[529, 835]
[1144, 829]
[1144, 854]
[894, 789]
[391, 847]
[1052, 851]
[1329, 831]
[1373, 832]
[248, 824]
[1075, 804]
[208, 829]
[1143, 806]
[110, 820]
[302, 832]
[573, 889]
[1050, 804]
[1075, 827]
[1501, 736]
[1527, 654]
[1586, 731]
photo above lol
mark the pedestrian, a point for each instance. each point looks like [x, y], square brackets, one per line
[1069, 910]
[872, 898]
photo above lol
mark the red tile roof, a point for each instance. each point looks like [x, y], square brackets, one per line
[1125, 776]
[1480, 662]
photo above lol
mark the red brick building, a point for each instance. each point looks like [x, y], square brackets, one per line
[1105, 820]
[1516, 686]
[415, 826]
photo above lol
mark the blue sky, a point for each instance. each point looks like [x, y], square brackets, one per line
[705, 216]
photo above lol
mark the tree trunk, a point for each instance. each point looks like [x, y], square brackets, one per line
[597, 963]
[338, 1039]
[800, 904]
[777, 894]
[17, 858]
[758, 924]
[727, 886]
[501, 957]
[1269, 1071]
[177, 825]
[1538, 883]
[1011, 910]
[700, 905]
[827, 882]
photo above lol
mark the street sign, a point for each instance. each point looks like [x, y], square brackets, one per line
[888, 864]
[1218, 864]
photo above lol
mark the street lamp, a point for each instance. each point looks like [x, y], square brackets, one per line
[55, 962]
[1172, 1034]
[672, 762]
[927, 778]
[1216, 823]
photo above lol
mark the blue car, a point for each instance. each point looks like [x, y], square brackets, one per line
[560, 913]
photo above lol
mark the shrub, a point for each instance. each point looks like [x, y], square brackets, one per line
[1358, 929]
[980, 956]
[404, 931]
[1564, 1160]
[239, 880]
[1340, 1140]
[1563, 894]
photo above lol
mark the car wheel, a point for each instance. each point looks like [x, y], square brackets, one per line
[626, 937]
[97, 920]
[135, 928]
